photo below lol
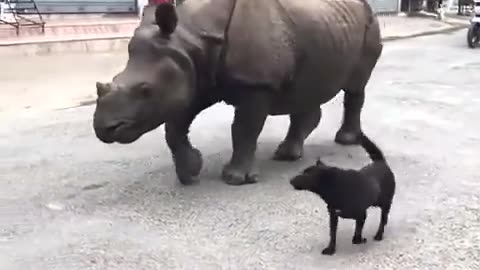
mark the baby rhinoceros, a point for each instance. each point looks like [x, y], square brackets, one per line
[268, 57]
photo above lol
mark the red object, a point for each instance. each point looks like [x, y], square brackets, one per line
[154, 2]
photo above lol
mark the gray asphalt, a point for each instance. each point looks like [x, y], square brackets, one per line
[69, 202]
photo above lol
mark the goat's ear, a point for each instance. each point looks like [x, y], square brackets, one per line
[166, 18]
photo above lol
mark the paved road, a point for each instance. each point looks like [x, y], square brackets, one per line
[69, 202]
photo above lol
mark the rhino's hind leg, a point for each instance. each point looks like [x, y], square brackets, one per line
[301, 125]
[350, 130]
[247, 125]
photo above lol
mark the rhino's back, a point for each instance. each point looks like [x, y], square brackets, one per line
[328, 23]
[273, 41]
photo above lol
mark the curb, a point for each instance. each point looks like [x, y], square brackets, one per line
[455, 27]
[73, 45]
[65, 40]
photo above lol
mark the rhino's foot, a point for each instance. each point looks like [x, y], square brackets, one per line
[237, 177]
[288, 151]
[348, 137]
[188, 180]
[188, 163]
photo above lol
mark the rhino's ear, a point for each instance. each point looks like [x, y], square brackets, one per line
[166, 18]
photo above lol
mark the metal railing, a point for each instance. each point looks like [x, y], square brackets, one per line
[14, 13]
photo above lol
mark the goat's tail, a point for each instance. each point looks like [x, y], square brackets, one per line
[373, 151]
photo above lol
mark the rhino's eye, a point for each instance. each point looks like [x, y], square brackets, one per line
[143, 90]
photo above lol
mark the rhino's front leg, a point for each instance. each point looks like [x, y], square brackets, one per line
[250, 116]
[187, 159]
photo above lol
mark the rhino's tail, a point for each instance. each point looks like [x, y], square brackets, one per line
[371, 17]
[372, 38]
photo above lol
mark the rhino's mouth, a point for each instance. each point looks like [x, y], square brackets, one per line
[123, 132]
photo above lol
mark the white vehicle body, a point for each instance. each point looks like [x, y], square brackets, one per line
[476, 8]
[476, 12]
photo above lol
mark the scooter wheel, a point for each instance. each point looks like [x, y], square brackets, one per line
[473, 36]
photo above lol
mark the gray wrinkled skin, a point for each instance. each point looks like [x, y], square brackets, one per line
[270, 57]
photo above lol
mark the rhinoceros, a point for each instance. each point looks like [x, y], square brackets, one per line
[265, 58]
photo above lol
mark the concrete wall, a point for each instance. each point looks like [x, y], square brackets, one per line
[385, 6]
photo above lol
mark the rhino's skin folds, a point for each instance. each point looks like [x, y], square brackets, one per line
[269, 57]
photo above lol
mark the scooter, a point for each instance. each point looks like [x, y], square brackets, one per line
[473, 34]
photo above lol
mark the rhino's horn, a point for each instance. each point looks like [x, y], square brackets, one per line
[102, 89]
